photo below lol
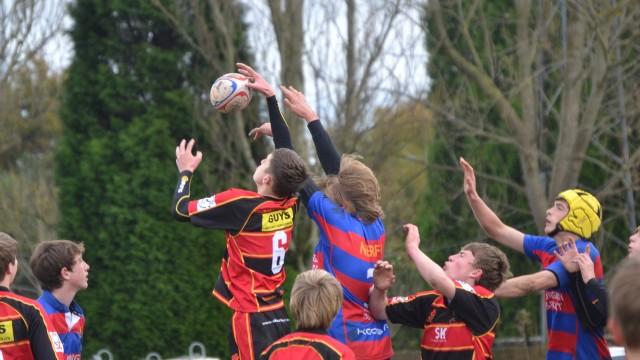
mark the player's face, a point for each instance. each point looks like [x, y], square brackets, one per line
[79, 273]
[261, 170]
[460, 266]
[555, 213]
[634, 244]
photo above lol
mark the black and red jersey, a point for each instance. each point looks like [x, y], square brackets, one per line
[258, 231]
[308, 345]
[462, 328]
[25, 331]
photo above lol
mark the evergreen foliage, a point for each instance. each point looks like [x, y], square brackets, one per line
[128, 100]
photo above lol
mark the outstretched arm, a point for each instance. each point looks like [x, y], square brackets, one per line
[187, 163]
[327, 153]
[277, 126]
[428, 269]
[487, 219]
[527, 284]
[383, 278]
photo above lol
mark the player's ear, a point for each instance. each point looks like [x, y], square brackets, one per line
[65, 273]
[476, 274]
[267, 179]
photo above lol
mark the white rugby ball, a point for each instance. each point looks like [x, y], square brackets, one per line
[230, 93]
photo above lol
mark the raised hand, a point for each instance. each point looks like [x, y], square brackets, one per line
[567, 254]
[383, 276]
[264, 129]
[469, 179]
[256, 81]
[586, 265]
[185, 160]
[295, 101]
[412, 237]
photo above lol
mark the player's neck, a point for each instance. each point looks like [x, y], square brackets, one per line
[266, 191]
[6, 282]
[65, 294]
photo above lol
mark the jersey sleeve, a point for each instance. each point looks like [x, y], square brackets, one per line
[561, 273]
[44, 340]
[279, 127]
[412, 310]
[228, 210]
[308, 189]
[327, 153]
[534, 246]
[480, 313]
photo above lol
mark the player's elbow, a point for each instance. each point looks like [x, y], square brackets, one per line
[179, 214]
[378, 313]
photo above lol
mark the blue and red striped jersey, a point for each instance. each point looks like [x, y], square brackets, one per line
[568, 338]
[348, 248]
[68, 322]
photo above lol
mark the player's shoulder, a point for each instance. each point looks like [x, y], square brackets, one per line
[21, 303]
[232, 193]
[539, 242]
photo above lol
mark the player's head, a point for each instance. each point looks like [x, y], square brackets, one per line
[624, 291]
[634, 243]
[485, 264]
[316, 298]
[575, 211]
[60, 261]
[356, 189]
[8, 257]
[282, 171]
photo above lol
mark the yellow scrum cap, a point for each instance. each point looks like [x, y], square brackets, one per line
[585, 213]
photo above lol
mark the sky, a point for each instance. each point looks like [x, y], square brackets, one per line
[403, 65]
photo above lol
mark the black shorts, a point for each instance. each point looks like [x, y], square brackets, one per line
[251, 333]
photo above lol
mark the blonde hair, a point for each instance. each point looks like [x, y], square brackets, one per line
[315, 299]
[356, 189]
[625, 307]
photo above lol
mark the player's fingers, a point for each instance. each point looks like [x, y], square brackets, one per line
[285, 91]
[254, 134]
[199, 156]
[288, 103]
[190, 146]
[245, 67]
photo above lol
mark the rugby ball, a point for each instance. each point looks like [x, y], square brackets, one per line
[230, 93]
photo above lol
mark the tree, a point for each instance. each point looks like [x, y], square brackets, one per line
[526, 91]
[129, 99]
[30, 129]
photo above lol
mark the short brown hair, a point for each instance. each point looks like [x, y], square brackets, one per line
[50, 257]
[316, 298]
[8, 252]
[625, 307]
[493, 263]
[288, 170]
[356, 189]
